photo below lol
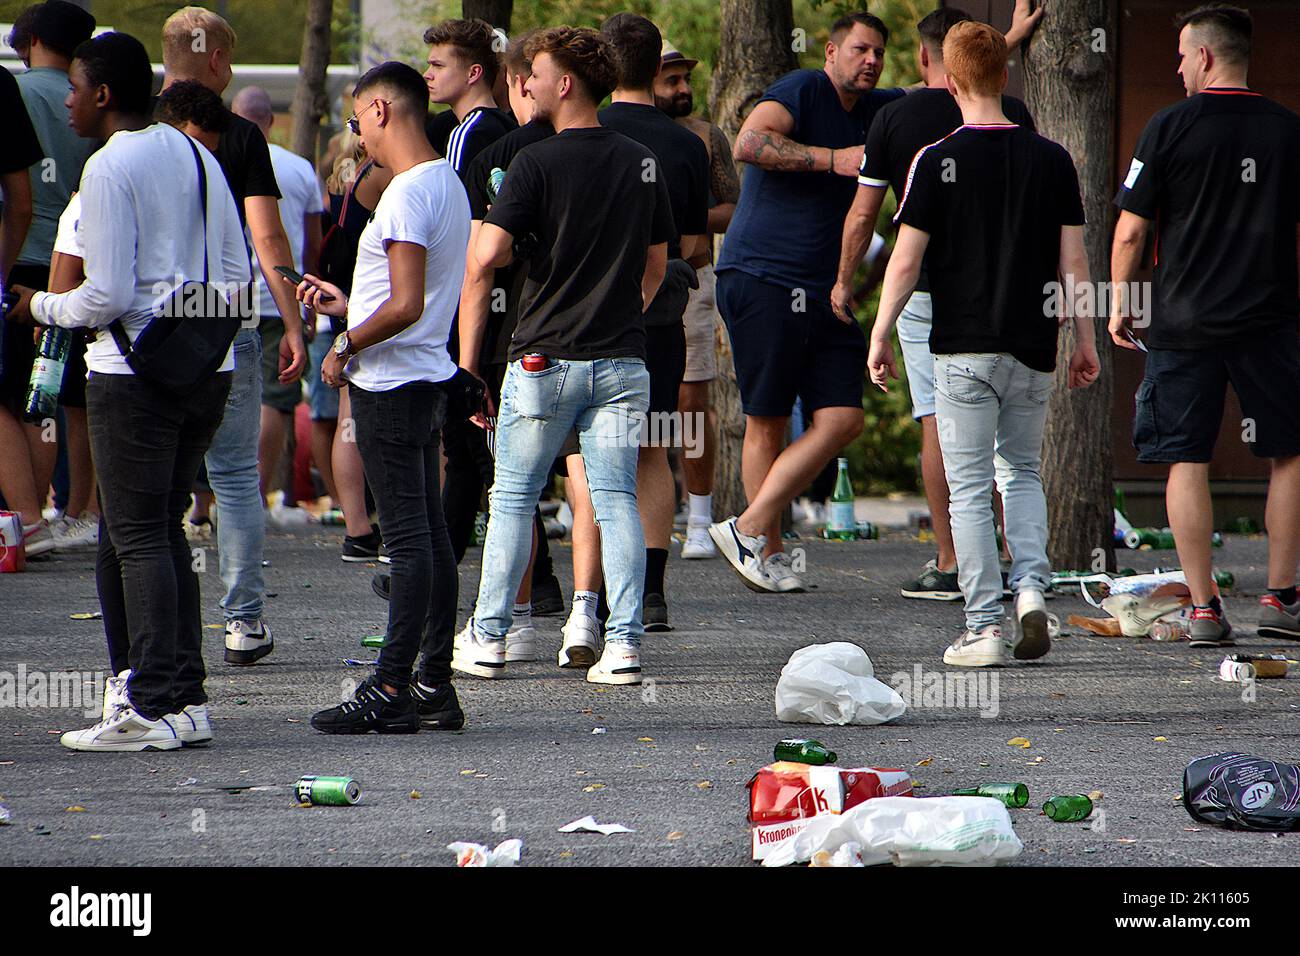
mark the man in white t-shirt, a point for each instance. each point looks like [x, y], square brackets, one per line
[300, 211]
[405, 288]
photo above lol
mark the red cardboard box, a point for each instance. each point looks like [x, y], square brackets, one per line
[784, 796]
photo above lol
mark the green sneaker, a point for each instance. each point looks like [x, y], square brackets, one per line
[933, 585]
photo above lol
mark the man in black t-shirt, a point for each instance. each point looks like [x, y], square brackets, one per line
[1217, 174]
[994, 211]
[578, 351]
[682, 160]
[232, 457]
[898, 132]
[461, 73]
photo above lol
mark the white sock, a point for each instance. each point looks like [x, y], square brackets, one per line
[584, 602]
[701, 508]
[523, 613]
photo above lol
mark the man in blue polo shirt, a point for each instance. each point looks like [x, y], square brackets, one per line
[803, 142]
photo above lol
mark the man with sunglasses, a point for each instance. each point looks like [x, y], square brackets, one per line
[410, 261]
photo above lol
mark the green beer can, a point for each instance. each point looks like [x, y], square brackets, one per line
[327, 791]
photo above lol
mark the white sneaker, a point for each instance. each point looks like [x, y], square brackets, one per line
[247, 642]
[115, 694]
[474, 655]
[581, 638]
[124, 731]
[73, 533]
[619, 664]
[985, 649]
[521, 641]
[192, 725]
[287, 518]
[744, 553]
[781, 572]
[1034, 637]
[38, 538]
[698, 544]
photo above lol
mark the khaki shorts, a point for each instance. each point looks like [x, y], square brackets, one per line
[701, 314]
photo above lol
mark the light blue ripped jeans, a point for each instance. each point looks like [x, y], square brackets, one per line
[601, 399]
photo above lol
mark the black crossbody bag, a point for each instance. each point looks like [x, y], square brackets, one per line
[190, 333]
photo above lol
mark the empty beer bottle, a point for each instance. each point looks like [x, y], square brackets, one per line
[1068, 809]
[1014, 795]
[842, 525]
[803, 751]
[47, 375]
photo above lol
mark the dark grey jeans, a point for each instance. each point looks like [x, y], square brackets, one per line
[147, 445]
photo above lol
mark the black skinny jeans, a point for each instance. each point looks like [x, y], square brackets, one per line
[398, 438]
[147, 445]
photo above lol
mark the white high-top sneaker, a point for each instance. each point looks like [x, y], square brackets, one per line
[619, 664]
[581, 638]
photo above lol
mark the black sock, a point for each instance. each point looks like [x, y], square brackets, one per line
[602, 605]
[656, 561]
[1286, 595]
[1215, 605]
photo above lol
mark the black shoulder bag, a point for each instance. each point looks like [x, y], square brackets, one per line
[191, 331]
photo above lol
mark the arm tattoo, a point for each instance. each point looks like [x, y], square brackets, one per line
[773, 151]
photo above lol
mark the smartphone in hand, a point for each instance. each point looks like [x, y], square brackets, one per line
[297, 278]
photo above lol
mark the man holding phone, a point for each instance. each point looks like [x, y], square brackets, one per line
[405, 288]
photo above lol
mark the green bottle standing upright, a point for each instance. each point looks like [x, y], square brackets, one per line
[842, 526]
[1014, 795]
[1068, 809]
[803, 751]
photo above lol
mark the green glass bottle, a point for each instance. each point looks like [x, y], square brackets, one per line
[374, 640]
[842, 525]
[1068, 809]
[1014, 795]
[803, 751]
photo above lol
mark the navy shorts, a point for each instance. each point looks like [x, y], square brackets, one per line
[789, 346]
[1180, 401]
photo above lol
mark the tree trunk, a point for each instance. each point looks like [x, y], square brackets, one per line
[1069, 87]
[495, 12]
[309, 99]
[757, 46]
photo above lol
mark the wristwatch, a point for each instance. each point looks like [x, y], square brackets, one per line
[342, 345]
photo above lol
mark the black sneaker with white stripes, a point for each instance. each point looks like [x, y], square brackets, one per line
[438, 706]
[371, 710]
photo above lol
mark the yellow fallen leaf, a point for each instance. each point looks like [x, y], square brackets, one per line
[1160, 740]
[564, 853]
[75, 809]
[645, 740]
[926, 762]
[593, 787]
[1095, 796]
[1022, 742]
[466, 773]
[705, 785]
[97, 836]
[983, 764]
[676, 835]
[415, 794]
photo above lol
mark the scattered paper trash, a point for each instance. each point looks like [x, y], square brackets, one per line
[476, 854]
[1242, 791]
[597, 730]
[909, 831]
[784, 797]
[589, 825]
[834, 684]
[6, 818]
[86, 616]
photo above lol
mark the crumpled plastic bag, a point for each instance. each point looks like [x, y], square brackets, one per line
[834, 684]
[907, 831]
[1138, 601]
[476, 854]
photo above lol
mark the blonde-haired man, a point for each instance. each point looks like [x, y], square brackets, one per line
[198, 45]
[995, 211]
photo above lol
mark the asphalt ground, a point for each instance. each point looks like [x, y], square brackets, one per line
[1121, 716]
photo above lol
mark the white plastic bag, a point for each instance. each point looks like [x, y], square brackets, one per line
[909, 831]
[834, 684]
[476, 854]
